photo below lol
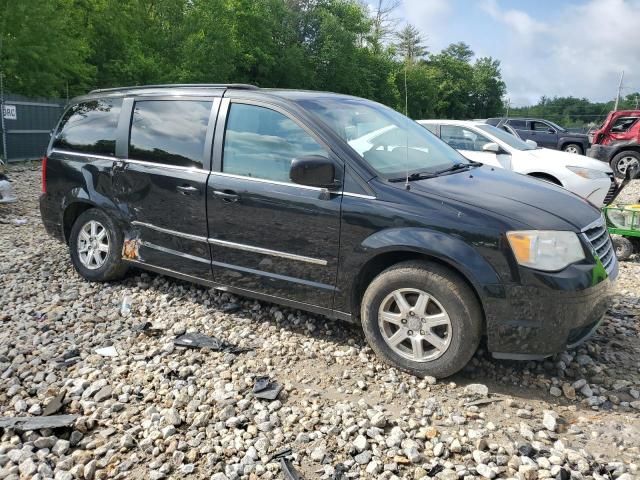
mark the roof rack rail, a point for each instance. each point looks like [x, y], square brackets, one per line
[238, 86]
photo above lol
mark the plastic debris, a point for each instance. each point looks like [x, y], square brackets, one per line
[287, 469]
[107, 351]
[265, 389]
[125, 308]
[200, 340]
[20, 221]
[36, 423]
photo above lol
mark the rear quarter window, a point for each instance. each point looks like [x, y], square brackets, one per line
[90, 127]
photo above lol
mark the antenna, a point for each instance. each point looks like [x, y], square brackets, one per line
[406, 114]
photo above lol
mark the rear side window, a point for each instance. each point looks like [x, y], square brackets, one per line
[432, 127]
[261, 143]
[90, 127]
[171, 132]
[518, 124]
[623, 124]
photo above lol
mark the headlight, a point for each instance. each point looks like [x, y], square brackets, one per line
[545, 250]
[588, 173]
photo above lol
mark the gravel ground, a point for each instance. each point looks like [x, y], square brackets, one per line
[159, 411]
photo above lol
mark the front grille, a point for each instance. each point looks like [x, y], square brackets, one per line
[612, 191]
[598, 236]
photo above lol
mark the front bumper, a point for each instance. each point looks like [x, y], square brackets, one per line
[548, 312]
[7, 195]
[604, 153]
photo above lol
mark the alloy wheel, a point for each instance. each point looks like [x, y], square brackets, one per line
[414, 325]
[93, 245]
[624, 163]
[572, 149]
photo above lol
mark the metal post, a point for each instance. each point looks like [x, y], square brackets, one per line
[615, 108]
[4, 131]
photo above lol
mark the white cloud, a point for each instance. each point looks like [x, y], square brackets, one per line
[580, 52]
[429, 16]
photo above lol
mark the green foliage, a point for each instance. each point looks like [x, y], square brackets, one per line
[49, 46]
[572, 112]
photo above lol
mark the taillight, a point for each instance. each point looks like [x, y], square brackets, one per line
[44, 174]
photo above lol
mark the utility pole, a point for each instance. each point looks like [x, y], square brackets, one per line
[615, 107]
[4, 131]
[508, 106]
[637, 100]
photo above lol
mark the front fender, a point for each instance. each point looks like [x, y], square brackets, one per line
[449, 249]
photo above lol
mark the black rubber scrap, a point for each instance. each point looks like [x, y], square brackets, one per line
[200, 340]
[265, 389]
[287, 468]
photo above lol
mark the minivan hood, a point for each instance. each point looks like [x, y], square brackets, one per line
[530, 201]
[564, 158]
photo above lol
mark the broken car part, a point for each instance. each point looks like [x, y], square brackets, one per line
[265, 389]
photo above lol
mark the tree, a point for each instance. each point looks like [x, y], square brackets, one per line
[383, 23]
[42, 52]
[488, 88]
[460, 51]
[410, 44]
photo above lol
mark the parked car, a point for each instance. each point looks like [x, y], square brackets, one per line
[546, 134]
[617, 141]
[490, 145]
[270, 194]
[7, 194]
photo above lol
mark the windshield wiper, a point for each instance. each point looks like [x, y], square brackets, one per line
[458, 166]
[413, 176]
[423, 175]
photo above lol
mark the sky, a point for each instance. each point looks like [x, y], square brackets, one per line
[546, 47]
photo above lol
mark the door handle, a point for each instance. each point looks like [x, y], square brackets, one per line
[228, 196]
[186, 189]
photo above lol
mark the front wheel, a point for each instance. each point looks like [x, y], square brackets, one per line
[422, 318]
[622, 161]
[573, 148]
[95, 245]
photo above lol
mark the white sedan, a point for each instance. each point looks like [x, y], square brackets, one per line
[485, 143]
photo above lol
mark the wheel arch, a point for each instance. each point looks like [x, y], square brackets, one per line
[393, 255]
[71, 212]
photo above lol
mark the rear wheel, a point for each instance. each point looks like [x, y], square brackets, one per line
[422, 318]
[95, 245]
[622, 161]
[623, 246]
[573, 148]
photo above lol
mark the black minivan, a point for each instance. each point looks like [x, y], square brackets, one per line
[331, 204]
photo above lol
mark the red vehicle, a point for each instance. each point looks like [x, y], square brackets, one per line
[617, 141]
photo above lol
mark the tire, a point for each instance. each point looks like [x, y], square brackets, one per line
[573, 148]
[447, 293]
[623, 247]
[621, 162]
[111, 267]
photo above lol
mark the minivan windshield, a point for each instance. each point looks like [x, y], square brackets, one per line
[506, 137]
[394, 145]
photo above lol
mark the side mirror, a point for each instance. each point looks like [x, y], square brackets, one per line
[313, 171]
[531, 143]
[551, 130]
[491, 147]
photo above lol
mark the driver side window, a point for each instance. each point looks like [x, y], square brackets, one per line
[462, 138]
[540, 127]
[261, 143]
